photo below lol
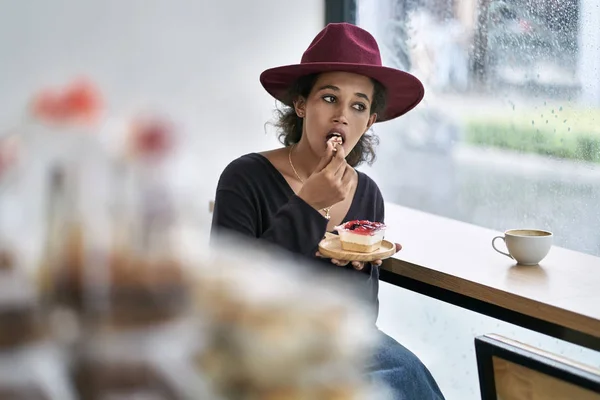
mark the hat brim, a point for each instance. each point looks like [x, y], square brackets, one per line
[404, 91]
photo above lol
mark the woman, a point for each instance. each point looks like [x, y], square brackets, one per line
[291, 196]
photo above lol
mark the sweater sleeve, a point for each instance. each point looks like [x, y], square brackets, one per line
[296, 226]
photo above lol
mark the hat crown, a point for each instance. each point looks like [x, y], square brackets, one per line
[343, 43]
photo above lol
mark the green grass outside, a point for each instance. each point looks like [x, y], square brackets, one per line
[555, 132]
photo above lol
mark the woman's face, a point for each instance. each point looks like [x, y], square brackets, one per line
[339, 103]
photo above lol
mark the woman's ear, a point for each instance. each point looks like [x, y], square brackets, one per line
[371, 121]
[300, 107]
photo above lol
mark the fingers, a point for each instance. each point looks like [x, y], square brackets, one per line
[339, 150]
[327, 157]
[339, 263]
[338, 161]
[358, 265]
[336, 141]
[346, 176]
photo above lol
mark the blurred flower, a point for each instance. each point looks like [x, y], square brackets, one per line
[79, 103]
[151, 138]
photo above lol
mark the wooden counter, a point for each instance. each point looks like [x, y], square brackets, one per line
[455, 262]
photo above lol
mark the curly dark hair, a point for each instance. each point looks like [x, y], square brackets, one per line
[289, 124]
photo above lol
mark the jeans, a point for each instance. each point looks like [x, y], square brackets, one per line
[404, 374]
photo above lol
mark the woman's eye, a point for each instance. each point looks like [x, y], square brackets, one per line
[331, 99]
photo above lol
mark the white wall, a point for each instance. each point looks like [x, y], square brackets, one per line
[198, 60]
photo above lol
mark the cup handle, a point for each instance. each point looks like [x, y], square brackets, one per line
[500, 251]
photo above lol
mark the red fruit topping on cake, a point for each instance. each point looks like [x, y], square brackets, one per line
[363, 227]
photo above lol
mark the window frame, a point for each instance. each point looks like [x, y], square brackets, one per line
[340, 11]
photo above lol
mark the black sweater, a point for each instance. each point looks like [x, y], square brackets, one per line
[253, 199]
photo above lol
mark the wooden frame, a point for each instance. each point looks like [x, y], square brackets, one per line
[509, 370]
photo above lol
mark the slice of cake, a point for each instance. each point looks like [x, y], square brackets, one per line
[361, 235]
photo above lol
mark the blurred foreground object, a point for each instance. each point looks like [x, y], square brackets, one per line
[274, 331]
[32, 366]
[131, 301]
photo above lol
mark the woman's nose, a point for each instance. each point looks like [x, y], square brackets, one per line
[340, 116]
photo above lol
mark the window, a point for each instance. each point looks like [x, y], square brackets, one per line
[508, 134]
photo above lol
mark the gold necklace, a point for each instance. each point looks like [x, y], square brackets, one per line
[326, 209]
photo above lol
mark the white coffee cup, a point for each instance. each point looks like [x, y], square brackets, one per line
[525, 246]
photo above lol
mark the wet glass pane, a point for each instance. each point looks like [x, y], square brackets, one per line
[508, 134]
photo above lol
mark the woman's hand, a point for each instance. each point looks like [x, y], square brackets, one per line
[331, 181]
[357, 265]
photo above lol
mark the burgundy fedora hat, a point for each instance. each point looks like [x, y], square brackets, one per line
[347, 48]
